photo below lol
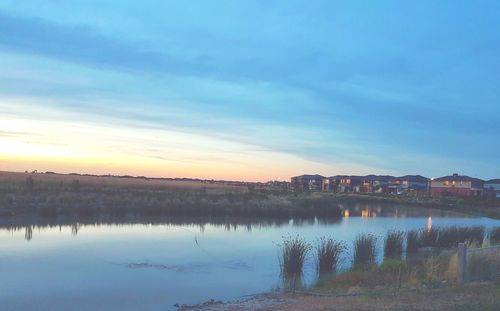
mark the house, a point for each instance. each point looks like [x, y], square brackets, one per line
[349, 183]
[361, 184]
[412, 182]
[492, 187]
[330, 184]
[456, 185]
[307, 183]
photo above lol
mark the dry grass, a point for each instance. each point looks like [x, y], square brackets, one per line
[473, 297]
[48, 180]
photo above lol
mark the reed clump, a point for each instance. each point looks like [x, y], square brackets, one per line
[412, 241]
[428, 238]
[450, 237]
[394, 244]
[364, 250]
[328, 252]
[293, 254]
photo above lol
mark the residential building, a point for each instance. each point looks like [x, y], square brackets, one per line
[492, 187]
[349, 183]
[413, 182]
[330, 184]
[456, 185]
[307, 183]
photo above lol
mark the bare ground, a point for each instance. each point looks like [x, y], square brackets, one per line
[478, 296]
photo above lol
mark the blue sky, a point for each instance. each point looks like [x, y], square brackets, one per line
[250, 89]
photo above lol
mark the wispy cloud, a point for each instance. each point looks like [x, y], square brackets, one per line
[378, 92]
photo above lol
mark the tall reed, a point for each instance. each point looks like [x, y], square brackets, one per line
[428, 238]
[364, 250]
[450, 237]
[293, 254]
[412, 241]
[393, 246]
[328, 252]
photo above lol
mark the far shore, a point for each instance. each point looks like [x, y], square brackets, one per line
[55, 194]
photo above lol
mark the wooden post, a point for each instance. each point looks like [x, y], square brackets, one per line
[462, 263]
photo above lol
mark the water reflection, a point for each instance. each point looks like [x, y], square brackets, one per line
[28, 233]
[151, 263]
[14, 224]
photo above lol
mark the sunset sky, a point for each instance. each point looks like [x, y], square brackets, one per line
[250, 90]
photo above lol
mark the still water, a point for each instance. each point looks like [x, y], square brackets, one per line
[141, 264]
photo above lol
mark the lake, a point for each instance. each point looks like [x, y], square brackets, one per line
[146, 264]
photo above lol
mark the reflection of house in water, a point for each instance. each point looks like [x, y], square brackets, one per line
[361, 210]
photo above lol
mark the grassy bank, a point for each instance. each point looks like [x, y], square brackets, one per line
[483, 296]
[50, 195]
[53, 194]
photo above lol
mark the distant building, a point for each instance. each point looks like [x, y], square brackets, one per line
[377, 183]
[456, 185]
[413, 182]
[492, 187]
[349, 183]
[330, 184]
[307, 183]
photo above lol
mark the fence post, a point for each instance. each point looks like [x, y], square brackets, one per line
[462, 263]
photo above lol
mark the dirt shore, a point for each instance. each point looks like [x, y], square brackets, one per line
[476, 296]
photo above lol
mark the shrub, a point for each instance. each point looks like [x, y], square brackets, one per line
[328, 252]
[393, 247]
[293, 254]
[364, 250]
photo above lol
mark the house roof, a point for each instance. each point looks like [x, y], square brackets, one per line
[309, 176]
[493, 181]
[379, 177]
[347, 176]
[456, 177]
[414, 178]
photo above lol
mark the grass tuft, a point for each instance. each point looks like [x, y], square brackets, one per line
[328, 252]
[364, 250]
[394, 241]
[293, 254]
[412, 241]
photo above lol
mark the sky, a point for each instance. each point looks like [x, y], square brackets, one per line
[250, 90]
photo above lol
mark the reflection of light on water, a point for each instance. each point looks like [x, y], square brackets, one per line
[429, 224]
[346, 213]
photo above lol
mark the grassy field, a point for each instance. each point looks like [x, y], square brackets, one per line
[14, 180]
[53, 194]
